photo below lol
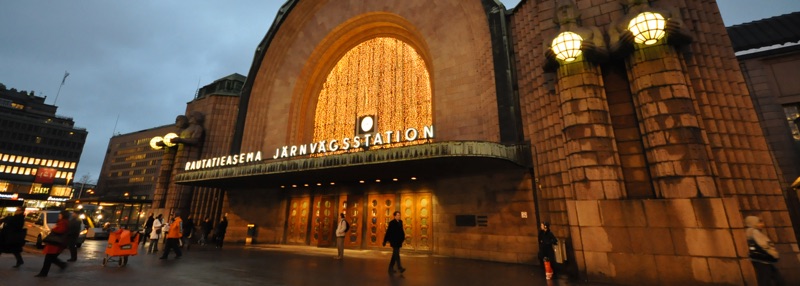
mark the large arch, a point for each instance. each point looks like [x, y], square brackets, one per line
[332, 49]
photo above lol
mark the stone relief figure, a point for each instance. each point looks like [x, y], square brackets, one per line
[191, 135]
[621, 40]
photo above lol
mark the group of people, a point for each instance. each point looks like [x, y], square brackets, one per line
[65, 236]
[68, 227]
[178, 232]
[762, 252]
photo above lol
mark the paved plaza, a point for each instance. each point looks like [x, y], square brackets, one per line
[267, 265]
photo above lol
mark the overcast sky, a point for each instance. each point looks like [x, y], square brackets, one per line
[141, 61]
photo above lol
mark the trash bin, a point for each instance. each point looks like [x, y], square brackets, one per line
[251, 232]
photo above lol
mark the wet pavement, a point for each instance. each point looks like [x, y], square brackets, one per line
[267, 265]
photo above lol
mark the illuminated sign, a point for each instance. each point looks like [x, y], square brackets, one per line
[45, 175]
[13, 196]
[324, 146]
[57, 199]
[366, 140]
[229, 160]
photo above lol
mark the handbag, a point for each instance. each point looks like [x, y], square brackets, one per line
[55, 239]
[17, 238]
[758, 253]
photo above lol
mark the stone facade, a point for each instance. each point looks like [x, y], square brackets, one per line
[644, 163]
[698, 136]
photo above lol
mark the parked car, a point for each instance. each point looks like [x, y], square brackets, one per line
[39, 224]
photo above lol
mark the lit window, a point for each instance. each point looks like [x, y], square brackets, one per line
[27, 171]
[5, 157]
[61, 164]
[14, 170]
[792, 114]
[59, 174]
[37, 161]
[2, 168]
[396, 90]
[72, 165]
[12, 158]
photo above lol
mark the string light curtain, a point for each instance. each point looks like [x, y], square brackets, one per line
[383, 77]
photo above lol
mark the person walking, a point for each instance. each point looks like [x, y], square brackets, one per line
[155, 235]
[148, 228]
[188, 232]
[395, 236]
[52, 250]
[547, 255]
[13, 235]
[73, 232]
[341, 230]
[205, 228]
[219, 234]
[173, 237]
[763, 254]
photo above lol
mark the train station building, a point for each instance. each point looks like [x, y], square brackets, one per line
[625, 124]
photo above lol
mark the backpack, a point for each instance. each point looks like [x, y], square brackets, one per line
[758, 253]
[346, 226]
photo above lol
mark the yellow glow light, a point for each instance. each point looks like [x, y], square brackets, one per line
[168, 139]
[647, 28]
[154, 142]
[567, 46]
[384, 77]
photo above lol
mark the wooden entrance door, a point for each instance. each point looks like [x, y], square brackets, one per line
[379, 212]
[298, 220]
[353, 206]
[416, 213]
[325, 221]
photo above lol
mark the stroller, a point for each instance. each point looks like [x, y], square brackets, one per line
[121, 244]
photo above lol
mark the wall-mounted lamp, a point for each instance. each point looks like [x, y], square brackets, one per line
[648, 28]
[159, 142]
[573, 43]
[567, 46]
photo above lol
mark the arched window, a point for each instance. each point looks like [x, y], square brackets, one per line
[382, 77]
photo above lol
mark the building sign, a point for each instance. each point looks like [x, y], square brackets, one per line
[45, 175]
[13, 196]
[57, 199]
[230, 160]
[366, 140]
[324, 146]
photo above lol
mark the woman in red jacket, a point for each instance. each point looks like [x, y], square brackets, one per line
[51, 251]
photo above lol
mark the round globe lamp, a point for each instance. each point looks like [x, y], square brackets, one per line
[567, 46]
[647, 28]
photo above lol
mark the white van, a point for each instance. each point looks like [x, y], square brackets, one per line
[39, 224]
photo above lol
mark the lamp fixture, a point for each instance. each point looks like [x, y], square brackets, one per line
[647, 28]
[168, 139]
[567, 46]
[154, 142]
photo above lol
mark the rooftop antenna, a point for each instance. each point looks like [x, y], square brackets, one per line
[197, 90]
[66, 74]
[113, 133]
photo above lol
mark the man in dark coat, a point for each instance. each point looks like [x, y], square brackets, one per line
[148, 228]
[188, 231]
[546, 242]
[73, 232]
[395, 235]
[13, 235]
[219, 234]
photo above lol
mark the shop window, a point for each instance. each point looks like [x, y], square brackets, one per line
[793, 116]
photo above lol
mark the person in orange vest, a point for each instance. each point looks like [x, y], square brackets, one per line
[173, 237]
